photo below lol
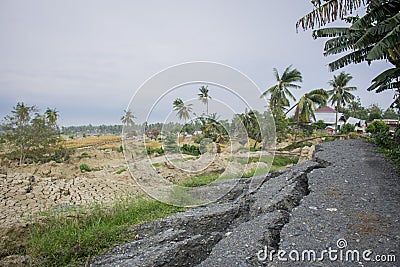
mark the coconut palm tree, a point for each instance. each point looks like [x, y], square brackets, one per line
[340, 94]
[306, 105]
[204, 96]
[182, 111]
[128, 118]
[51, 116]
[280, 92]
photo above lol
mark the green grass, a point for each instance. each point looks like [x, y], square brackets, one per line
[281, 161]
[199, 180]
[66, 241]
[120, 171]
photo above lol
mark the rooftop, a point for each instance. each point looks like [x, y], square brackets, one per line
[325, 110]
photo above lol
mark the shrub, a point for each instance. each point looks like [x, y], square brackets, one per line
[85, 168]
[190, 150]
[120, 149]
[320, 125]
[347, 128]
[158, 150]
[377, 127]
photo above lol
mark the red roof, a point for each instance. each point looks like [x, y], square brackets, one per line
[325, 110]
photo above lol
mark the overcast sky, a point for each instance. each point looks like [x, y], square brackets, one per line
[87, 58]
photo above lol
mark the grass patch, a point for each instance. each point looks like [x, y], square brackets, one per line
[120, 171]
[62, 240]
[281, 161]
[85, 168]
[199, 180]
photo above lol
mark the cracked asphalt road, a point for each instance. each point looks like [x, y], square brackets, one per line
[347, 193]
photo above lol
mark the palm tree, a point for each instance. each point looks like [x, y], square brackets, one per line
[128, 118]
[340, 93]
[182, 111]
[374, 36]
[306, 106]
[51, 116]
[204, 96]
[280, 91]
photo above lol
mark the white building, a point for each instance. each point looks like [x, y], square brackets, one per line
[328, 116]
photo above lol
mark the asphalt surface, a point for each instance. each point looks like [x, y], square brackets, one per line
[339, 209]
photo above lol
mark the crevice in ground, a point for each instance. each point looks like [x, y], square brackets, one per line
[190, 238]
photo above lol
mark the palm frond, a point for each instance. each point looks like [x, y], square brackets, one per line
[380, 50]
[353, 57]
[329, 12]
[330, 32]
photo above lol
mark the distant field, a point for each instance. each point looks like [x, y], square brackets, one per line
[101, 142]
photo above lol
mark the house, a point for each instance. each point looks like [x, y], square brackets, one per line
[393, 124]
[360, 125]
[328, 116]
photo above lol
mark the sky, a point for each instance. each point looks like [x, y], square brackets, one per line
[88, 58]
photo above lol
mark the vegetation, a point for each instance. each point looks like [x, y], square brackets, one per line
[204, 96]
[306, 106]
[85, 168]
[182, 111]
[377, 127]
[120, 171]
[127, 118]
[152, 150]
[91, 141]
[347, 128]
[388, 144]
[33, 137]
[340, 94]
[374, 36]
[190, 150]
[319, 125]
[71, 131]
[70, 240]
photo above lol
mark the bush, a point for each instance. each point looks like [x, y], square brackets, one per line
[347, 128]
[388, 145]
[120, 149]
[320, 125]
[190, 150]
[377, 127]
[85, 168]
[158, 150]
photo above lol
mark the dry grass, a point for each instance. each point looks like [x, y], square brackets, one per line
[102, 141]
